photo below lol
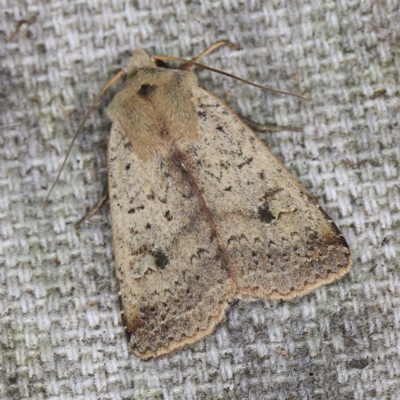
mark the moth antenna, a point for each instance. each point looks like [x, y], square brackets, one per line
[214, 47]
[207, 51]
[182, 60]
[105, 88]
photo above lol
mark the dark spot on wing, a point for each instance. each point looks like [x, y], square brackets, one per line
[264, 214]
[224, 165]
[247, 161]
[338, 238]
[146, 90]
[161, 258]
[133, 209]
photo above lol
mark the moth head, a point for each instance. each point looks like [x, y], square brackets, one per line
[140, 59]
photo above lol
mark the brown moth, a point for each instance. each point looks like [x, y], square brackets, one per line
[203, 213]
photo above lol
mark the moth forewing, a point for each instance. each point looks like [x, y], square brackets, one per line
[202, 213]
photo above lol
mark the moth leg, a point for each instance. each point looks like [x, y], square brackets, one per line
[273, 128]
[95, 208]
[207, 51]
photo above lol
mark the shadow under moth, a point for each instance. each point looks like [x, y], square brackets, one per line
[202, 212]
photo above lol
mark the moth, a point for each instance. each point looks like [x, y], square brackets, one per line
[202, 212]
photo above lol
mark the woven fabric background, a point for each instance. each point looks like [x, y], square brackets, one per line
[61, 336]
